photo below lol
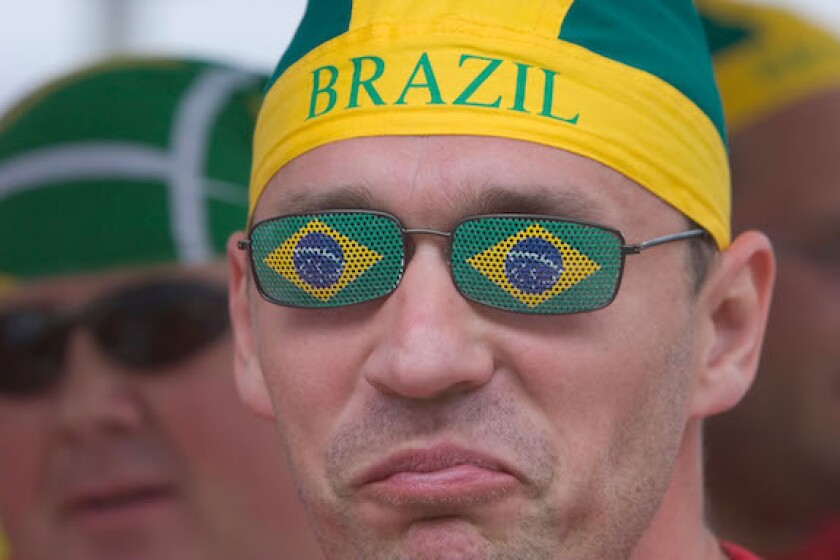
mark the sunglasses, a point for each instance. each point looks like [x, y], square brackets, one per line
[516, 262]
[143, 328]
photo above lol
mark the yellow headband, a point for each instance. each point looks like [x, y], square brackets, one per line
[766, 59]
[555, 72]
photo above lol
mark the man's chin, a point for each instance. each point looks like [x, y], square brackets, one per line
[442, 538]
[439, 538]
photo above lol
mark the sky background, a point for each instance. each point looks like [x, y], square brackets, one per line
[42, 38]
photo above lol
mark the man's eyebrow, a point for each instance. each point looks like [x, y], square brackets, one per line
[346, 197]
[497, 199]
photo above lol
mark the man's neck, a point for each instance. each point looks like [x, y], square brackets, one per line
[679, 530]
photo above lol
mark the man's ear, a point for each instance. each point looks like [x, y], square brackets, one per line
[732, 313]
[246, 366]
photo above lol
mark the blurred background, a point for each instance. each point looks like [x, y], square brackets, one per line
[42, 38]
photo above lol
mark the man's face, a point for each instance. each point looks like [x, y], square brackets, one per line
[787, 182]
[120, 463]
[425, 426]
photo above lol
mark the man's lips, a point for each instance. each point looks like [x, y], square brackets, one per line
[112, 499]
[443, 475]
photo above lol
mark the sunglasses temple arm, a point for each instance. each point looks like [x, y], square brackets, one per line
[243, 244]
[636, 249]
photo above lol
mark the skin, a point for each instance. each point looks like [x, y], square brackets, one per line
[586, 427]
[775, 491]
[217, 487]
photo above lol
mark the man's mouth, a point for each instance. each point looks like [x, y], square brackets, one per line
[117, 501]
[438, 476]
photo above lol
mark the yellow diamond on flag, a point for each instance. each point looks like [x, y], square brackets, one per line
[320, 260]
[534, 265]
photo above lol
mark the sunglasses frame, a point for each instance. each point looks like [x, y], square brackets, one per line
[625, 250]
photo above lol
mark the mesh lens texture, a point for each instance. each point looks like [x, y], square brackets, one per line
[532, 265]
[327, 259]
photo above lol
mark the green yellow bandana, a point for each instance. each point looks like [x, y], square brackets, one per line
[625, 83]
[766, 59]
[132, 162]
[3, 551]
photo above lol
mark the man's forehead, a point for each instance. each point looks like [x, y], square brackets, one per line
[459, 175]
[489, 199]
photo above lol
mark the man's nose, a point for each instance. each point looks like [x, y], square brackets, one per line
[431, 343]
[95, 397]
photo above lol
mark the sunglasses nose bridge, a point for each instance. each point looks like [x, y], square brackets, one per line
[86, 320]
[425, 231]
[409, 242]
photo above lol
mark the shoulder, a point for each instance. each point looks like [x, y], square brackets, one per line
[735, 552]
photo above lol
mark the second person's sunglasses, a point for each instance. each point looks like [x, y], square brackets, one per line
[144, 328]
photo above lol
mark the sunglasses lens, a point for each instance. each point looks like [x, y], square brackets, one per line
[31, 352]
[536, 265]
[157, 325]
[327, 260]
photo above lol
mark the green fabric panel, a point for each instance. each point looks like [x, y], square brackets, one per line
[229, 147]
[88, 226]
[90, 223]
[228, 160]
[322, 21]
[722, 34]
[134, 103]
[662, 37]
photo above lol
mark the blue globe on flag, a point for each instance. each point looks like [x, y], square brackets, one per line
[533, 265]
[318, 260]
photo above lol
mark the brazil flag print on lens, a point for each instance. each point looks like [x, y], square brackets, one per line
[327, 260]
[536, 266]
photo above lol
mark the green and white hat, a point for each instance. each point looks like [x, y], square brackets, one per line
[127, 163]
